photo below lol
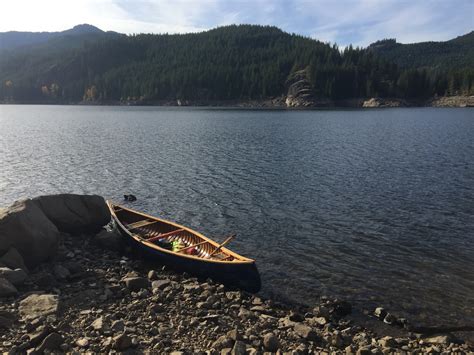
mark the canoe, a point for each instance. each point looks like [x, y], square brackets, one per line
[184, 249]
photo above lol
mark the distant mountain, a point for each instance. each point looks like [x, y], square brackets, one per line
[453, 54]
[237, 62]
[14, 39]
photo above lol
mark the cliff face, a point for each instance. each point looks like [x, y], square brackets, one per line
[300, 93]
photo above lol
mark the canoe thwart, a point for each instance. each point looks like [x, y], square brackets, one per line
[140, 224]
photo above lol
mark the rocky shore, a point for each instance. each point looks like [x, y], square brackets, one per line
[89, 293]
[298, 98]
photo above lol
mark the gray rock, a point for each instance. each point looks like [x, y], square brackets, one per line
[24, 227]
[75, 213]
[380, 312]
[240, 348]
[233, 334]
[363, 351]
[440, 339]
[7, 289]
[6, 319]
[320, 320]
[160, 284]
[222, 342]
[136, 283]
[295, 317]
[387, 342]
[35, 306]
[110, 240]
[13, 260]
[271, 342]
[390, 319]
[305, 331]
[52, 342]
[118, 326]
[152, 275]
[98, 324]
[122, 342]
[16, 277]
[60, 272]
[82, 343]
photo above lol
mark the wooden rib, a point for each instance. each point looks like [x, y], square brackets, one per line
[191, 246]
[139, 224]
[161, 236]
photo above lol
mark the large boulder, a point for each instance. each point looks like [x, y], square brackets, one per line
[75, 213]
[25, 229]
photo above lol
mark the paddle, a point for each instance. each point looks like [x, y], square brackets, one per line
[222, 244]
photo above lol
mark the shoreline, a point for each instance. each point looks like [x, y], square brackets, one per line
[76, 290]
[279, 103]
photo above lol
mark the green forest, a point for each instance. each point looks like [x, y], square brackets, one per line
[237, 62]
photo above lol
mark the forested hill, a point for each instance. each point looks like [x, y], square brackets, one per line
[238, 62]
[14, 39]
[453, 54]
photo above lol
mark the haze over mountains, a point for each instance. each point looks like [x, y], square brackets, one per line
[238, 62]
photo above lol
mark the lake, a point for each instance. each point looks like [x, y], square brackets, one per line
[375, 206]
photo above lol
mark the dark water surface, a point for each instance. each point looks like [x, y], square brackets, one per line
[376, 206]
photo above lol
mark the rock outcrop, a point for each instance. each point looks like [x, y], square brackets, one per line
[379, 103]
[453, 101]
[25, 228]
[75, 213]
[300, 92]
[30, 229]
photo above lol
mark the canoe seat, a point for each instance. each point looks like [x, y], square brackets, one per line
[166, 235]
[139, 224]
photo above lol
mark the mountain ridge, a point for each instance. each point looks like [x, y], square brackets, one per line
[235, 62]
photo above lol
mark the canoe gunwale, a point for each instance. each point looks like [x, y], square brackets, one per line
[238, 259]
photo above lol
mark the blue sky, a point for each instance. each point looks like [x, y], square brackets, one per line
[357, 22]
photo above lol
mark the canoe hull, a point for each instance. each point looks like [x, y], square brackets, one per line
[243, 276]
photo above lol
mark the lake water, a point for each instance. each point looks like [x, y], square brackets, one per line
[375, 206]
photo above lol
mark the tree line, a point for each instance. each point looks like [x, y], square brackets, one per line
[235, 62]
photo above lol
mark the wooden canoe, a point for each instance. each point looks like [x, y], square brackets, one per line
[184, 249]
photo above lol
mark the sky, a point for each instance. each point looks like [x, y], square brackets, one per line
[356, 22]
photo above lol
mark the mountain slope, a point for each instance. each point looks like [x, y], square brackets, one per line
[237, 62]
[15, 39]
[452, 54]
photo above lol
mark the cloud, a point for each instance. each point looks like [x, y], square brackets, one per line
[357, 22]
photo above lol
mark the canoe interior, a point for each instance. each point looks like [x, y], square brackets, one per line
[184, 241]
